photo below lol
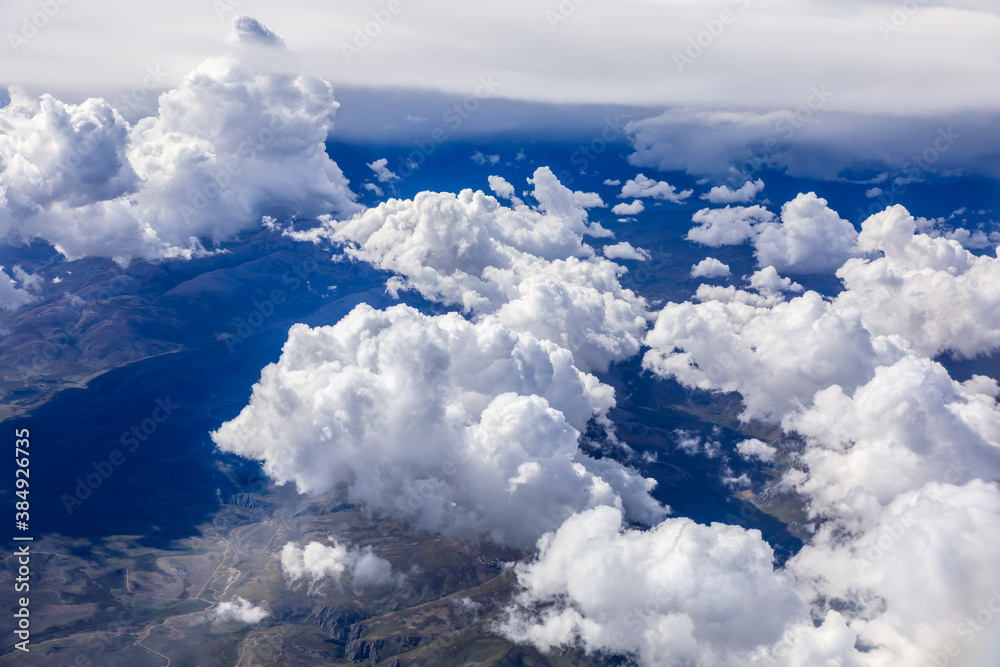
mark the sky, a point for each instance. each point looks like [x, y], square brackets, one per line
[744, 133]
[632, 52]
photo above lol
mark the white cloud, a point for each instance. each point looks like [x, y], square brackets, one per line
[931, 291]
[557, 62]
[431, 419]
[612, 182]
[729, 225]
[723, 194]
[873, 192]
[642, 186]
[776, 356]
[238, 139]
[624, 250]
[710, 267]
[911, 419]
[18, 290]
[501, 188]
[755, 449]
[529, 266]
[371, 187]
[811, 238]
[767, 281]
[635, 208]
[239, 610]
[316, 562]
[678, 594]
[383, 173]
[945, 537]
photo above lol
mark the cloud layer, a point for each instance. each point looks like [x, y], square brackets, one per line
[530, 266]
[434, 419]
[236, 140]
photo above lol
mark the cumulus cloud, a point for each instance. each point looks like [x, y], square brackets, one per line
[503, 189]
[528, 266]
[728, 226]
[316, 562]
[642, 186]
[382, 172]
[239, 610]
[776, 356]
[811, 238]
[624, 250]
[911, 418]
[931, 291]
[723, 194]
[710, 267]
[432, 419]
[767, 281]
[678, 594]
[635, 208]
[944, 536]
[755, 449]
[237, 140]
[612, 182]
[896, 459]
